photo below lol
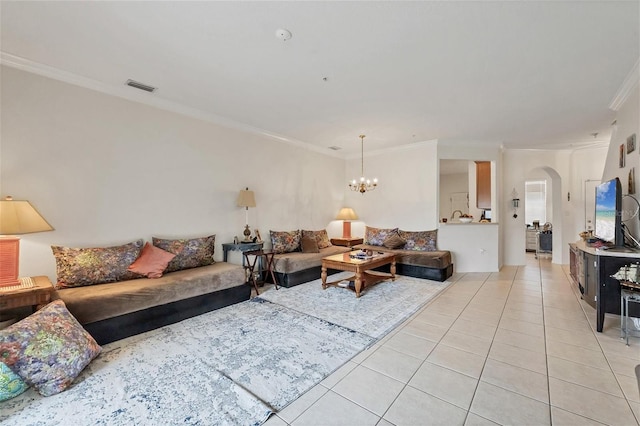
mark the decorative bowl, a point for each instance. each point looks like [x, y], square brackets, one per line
[466, 219]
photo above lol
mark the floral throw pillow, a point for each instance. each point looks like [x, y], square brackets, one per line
[190, 253]
[285, 241]
[322, 238]
[376, 236]
[11, 385]
[48, 349]
[420, 241]
[86, 266]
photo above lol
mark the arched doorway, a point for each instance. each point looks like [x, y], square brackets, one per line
[554, 185]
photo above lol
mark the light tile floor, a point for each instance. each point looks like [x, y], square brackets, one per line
[517, 347]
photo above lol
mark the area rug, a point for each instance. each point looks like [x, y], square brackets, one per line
[378, 310]
[232, 366]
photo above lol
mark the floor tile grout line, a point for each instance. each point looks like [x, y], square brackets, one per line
[594, 331]
[431, 351]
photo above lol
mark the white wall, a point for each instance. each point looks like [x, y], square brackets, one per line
[450, 184]
[627, 118]
[408, 191]
[572, 168]
[103, 170]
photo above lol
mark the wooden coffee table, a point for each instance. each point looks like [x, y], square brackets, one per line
[364, 276]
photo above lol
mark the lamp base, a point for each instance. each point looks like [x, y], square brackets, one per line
[247, 235]
[346, 229]
[9, 260]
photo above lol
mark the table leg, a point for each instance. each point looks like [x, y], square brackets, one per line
[393, 270]
[323, 275]
[358, 283]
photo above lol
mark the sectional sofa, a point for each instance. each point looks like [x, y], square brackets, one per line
[114, 294]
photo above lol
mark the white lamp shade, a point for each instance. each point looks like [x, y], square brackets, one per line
[20, 217]
[347, 213]
[246, 198]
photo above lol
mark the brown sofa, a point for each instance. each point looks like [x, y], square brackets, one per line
[296, 268]
[113, 311]
[430, 265]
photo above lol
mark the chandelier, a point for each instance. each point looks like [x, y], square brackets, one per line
[364, 184]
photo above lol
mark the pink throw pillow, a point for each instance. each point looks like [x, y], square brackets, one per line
[152, 261]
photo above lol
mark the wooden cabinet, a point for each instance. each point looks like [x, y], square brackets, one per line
[483, 184]
[591, 270]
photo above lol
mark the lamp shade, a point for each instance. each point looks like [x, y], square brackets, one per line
[347, 213]
[20, 217]
[16, 217]
[246, 198]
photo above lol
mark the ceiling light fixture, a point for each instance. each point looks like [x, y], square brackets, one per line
[364, 184]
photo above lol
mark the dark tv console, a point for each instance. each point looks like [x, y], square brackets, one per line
[591, 269]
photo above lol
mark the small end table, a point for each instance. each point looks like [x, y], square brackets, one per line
[243, 247]
[346, 242]
[251, 260]
[33, 291]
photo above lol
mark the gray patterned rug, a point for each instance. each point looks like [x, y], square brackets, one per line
[378, 310]
[232, 366]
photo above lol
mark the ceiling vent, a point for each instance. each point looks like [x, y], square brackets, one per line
[141, 86]
[335, 148]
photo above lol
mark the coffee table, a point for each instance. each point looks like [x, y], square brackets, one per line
[364, 276]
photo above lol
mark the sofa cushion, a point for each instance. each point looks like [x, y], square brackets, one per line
[376, 236]
[321, 237]
[48, 349]
[309, 244]
[86, 266]
[287, 263]
[11, 385]
[285, 241]
[152, 261]
[422, 240]
[394, 241]
[438, 259]
[95, 303]
[190, 252]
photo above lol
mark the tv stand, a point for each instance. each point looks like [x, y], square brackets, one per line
[591, 270]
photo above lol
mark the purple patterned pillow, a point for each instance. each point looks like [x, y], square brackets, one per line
[86, 266]
[322, 238]
[420, 241]
[48, 349]
[190, 253]
[376, 236]
[285, 241]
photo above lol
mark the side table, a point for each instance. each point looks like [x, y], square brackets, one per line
[243, 247]
[251, 259]
[33, 291]
[346, 242]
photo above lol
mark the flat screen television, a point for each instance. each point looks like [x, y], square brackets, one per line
[608, 216]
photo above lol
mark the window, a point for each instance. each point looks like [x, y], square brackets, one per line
[535, 201]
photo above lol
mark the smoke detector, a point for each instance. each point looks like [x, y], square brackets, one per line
[283, 34]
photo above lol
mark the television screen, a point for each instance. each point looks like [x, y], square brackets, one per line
[608, 225]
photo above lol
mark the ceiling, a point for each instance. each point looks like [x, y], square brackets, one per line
[520, 73]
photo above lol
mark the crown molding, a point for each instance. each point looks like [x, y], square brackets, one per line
[629, 83]
[384, 151]
[149, 99]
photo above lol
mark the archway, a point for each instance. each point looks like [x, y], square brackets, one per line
[556, 208]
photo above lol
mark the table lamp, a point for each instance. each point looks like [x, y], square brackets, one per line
[16, 217]
[246, 199]
[346, 215]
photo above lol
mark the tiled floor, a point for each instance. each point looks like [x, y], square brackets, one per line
[516, 347]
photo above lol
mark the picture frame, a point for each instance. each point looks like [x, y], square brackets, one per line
[258, 236]
[632, 180]
[621, 160]
[631, 143]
